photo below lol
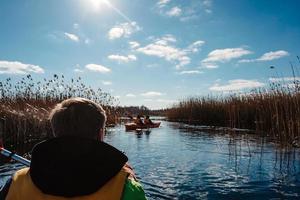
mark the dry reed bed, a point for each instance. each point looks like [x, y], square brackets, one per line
[274, 112]
[25, 106]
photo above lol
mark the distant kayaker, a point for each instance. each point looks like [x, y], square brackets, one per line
[148, 121]
[76, 163]
[138, 120]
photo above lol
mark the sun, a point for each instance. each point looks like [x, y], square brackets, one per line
[98, 4]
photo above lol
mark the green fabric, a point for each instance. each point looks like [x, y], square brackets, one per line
[133, 191]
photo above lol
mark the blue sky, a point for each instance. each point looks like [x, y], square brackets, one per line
[154, 52]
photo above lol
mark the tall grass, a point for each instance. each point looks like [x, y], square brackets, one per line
[274, 111]
[25, 106]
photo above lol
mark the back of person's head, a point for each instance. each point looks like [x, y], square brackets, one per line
[77, 117]
[147, 117]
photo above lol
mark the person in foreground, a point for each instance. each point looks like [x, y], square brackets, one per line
[76, 163]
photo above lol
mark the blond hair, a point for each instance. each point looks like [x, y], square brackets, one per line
[77, 117]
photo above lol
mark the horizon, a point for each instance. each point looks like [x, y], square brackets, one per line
[152, 53]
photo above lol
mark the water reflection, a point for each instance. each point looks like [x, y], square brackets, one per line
[255, 167]
[140, 133]
[182, 162]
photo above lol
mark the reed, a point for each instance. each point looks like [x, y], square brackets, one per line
[274, 111]
[25, 106]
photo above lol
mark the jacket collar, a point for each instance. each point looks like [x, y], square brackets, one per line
[72, 166]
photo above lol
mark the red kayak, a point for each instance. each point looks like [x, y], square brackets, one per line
[134, 126]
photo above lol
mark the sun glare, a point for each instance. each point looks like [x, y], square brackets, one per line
[98, 4]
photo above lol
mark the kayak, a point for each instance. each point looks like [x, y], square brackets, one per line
[134, 126]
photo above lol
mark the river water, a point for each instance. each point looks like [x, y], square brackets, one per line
[180, 162]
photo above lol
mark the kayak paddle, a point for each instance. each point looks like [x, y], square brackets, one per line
[14, 156]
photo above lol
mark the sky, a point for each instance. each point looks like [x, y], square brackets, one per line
[152, 52]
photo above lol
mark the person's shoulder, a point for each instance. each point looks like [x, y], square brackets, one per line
[133, 190]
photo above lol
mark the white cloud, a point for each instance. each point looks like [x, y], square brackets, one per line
[272, 55]
[78, 70]
[188, 17]
[152, 94]
[237, 84]
[134, 44]
[164, 8]
[207, 4]
[191, 72]
[195, 10]
[106, 82]
[121, 58]
[208, 11]
[285, 79]
[225, 55]
[162, 3]
[208, 66]
[196, 46]
[168, 38]
[152, 65]
[15, 67]
[115, 32]
[123, 30]
[174, 12]
[161, 100]
[72, 37]
[97, 68]
[190, 10]
[158, 103]
[162, 48]
[246, 60]
[130, 95]
[166, 100]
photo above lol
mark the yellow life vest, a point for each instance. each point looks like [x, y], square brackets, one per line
[22, 188]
